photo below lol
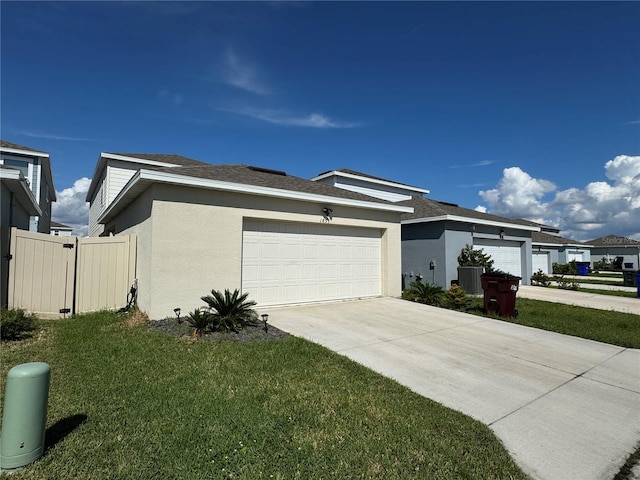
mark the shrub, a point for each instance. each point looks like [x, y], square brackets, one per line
[16, 324]
[429, 294]
[229, 311]
[199, 320]
[567, 284]
[469, 257]
[456, 299]
[565, 268]
[541, 279]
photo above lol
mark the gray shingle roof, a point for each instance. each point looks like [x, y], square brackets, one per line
[5, 144]
[425, 208]
[163, 157]
[612, 241]
[248, 175]
[541, 237]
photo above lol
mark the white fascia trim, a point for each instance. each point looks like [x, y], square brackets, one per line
[30, 153]
[369, 179]
[558, 245]
[477, 221]
[166, 177]
[16, 179]
[112, 156]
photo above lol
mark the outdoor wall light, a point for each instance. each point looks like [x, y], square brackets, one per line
[326, 211]
[265, 318]
[177, 312]
[501, 234]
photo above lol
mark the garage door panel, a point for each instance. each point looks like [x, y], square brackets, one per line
[541, 262]
[506, 255]
[294, 263]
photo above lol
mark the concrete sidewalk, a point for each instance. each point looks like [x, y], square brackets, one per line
[581, 299]
[564, 407]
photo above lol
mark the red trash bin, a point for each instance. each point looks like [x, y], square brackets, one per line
[500, 293]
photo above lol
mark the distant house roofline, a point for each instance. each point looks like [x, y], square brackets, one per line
[352, 174]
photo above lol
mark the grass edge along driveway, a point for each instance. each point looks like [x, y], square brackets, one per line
[129, 403]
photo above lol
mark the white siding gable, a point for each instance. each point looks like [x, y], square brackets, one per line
[385, 190]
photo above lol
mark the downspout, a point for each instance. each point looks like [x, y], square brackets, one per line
[6, 256]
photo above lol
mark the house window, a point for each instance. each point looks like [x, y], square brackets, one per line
[20, 165]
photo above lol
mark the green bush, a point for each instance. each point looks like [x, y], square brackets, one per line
[567, 284]
[475, 258]
[456, 299]
[229, 311]
[199, 320]
[16, 324]
[565, 268]
[541, 279]
[429, 294]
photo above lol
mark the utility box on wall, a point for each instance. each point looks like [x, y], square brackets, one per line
[24, 415]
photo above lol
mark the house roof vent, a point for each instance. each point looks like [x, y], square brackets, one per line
[268, 170]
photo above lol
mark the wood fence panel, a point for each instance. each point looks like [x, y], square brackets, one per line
[105, 272]
[41, 272]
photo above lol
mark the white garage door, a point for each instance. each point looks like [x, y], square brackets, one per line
[299, 262]
[541, 262]
[506, 255]
[574, 255]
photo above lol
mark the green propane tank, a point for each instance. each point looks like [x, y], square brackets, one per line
[24, 414]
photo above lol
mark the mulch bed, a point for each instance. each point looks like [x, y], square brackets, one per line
[250, 333]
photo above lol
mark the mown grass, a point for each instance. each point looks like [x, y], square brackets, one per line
[616, 328]
[613, 293]
[127, 403]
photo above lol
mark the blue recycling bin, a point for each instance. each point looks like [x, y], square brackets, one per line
[583, 270]
[638, 282]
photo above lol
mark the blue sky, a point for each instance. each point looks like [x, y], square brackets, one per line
[524, 109]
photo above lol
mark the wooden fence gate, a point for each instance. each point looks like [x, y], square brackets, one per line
[59, 275]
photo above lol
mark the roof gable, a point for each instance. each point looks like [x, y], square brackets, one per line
[546, 238]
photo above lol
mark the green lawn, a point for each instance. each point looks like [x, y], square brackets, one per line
[129, 403]
[614, 293]
[616, 328]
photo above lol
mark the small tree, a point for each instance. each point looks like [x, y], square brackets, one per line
[456, 299]
[229, 311]
[470, 257]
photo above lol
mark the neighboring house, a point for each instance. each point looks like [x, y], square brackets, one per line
[435, 233]
[612, 246]
[17, 206]
[35, 167]
[548, 247]
[282, 239]
[60, 230]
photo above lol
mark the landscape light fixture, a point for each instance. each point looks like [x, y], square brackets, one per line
[265, 318]
[177, 311]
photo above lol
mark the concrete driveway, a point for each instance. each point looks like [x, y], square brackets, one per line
[564, 407]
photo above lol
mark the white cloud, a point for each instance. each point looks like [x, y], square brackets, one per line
[517, 194]
[482, 163]
[241, 75]
[600, 208]
[313, 120]
[71, 209]
[51, 136]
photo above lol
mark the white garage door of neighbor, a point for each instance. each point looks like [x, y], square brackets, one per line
[574, 255]
[541, 262]
[300, 262]
[505, 255]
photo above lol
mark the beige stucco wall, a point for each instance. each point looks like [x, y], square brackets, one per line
[190, 241]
